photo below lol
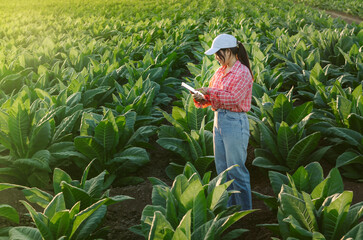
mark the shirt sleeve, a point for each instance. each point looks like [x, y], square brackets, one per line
[234, 94]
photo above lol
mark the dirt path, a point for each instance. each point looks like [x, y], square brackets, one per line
[345, 16]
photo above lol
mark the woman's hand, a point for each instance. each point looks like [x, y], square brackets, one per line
[203, 90]
[199, 98]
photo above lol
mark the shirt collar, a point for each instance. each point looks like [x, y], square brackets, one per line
[234, 68]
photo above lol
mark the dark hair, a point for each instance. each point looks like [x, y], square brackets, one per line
[241, 52]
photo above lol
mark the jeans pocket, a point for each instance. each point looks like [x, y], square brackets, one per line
[233, 116]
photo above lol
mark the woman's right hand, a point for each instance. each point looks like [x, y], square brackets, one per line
[199, 98]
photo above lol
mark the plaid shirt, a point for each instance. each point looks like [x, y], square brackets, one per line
[231, 91]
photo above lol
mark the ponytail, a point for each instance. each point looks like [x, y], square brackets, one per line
[243, 56]
[241, 53]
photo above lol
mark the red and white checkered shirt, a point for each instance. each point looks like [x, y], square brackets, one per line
[231, 91]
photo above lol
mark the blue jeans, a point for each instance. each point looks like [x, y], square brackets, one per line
[230, 141]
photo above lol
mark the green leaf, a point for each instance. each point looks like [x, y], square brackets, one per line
[291, 205]
[216, 195]
[334, 215]
[56, 205]
[40, 161]
[266, 163]
[105, 134]
[188, 195]
[183, 231]
[316, 175]
[160, 227]
[277, 180]
[85, 174]
[40, 137]
[66, 126]
[9, 213]
[281, 108]
[286, 139]
[24, 233]
[35, 195]
[58, 176]
[268, 141]
[60, 223]
[354, 233]
[302, 149]
[89, 147]
[349, 157]
[344, 107]
[72, 195]
[234, 234]
[92, 222]
[84, 215]
[40, 220]
[199, 210]
[178, 146]
[299, 113]
[19, 128]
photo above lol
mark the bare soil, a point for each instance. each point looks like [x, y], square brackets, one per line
[346, 17]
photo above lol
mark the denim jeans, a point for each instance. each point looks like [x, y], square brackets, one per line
[230, 141]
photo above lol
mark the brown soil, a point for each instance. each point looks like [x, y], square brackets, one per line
[345, 16]
[128, 213]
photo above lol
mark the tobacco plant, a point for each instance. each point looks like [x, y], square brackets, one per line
[311, 207]
[194, 207]
[190, 137]
[279, 131]
[76, 211]
[115, 144]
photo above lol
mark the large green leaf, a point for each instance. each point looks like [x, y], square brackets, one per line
[66, 126]
[58, 176]
[73, 194]
[60, 223]
[160, 227]
[199, 210]
[344, 109]
[277, 180]
[281, 109]
[105, 134]
[291, 205]
[266, 163]
[354, 233]
[89, 147]
[175, 145]
[40, 137]
[268, 140]
[299, 113]
[188, 195]
[40, 220]
[349, 157]
[24, 233]
[19, 128]
[84, 215]
[302, 149]
[56, 205]
[135, 158]
[333, 216]
[40, 160]
[92, 222]
[183, 231]
[9, 213]
[286, 139]
[35, 195]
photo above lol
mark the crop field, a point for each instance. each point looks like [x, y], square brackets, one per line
[98, 140]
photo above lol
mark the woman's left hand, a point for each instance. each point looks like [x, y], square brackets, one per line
[203, 90]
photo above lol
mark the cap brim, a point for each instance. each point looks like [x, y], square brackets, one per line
[211, 51]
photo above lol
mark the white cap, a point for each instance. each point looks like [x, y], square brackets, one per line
[222, 41]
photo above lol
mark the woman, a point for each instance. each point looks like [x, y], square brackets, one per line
[229, 94]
